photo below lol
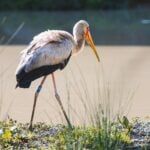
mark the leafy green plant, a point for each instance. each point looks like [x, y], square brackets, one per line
[17, 135]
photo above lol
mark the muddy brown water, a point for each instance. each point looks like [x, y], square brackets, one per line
[121, 81]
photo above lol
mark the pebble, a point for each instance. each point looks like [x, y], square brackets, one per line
[141, 134]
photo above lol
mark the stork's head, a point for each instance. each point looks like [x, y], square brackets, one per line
[81, 30]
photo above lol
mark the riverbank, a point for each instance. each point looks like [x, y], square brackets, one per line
[123, 72]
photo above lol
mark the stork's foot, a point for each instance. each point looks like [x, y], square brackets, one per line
[31, 128]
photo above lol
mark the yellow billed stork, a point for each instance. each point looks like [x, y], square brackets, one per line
[50, 51]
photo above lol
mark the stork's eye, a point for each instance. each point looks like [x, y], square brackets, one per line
[87, 30]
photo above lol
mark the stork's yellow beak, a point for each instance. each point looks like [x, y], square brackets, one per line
[88, 38]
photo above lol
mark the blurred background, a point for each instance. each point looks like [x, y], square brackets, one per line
[121, 31]
[113, 22]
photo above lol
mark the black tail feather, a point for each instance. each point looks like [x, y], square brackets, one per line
[23, 84]
[24, 79]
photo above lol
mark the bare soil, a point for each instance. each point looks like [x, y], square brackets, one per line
[123, 71]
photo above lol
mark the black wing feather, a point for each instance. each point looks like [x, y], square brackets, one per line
[24, 79]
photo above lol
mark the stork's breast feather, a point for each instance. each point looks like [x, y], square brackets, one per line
[48, 48]
[50, 54]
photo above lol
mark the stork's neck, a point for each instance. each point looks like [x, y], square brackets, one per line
[80, 42]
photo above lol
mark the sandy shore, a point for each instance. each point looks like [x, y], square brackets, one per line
[120, 80]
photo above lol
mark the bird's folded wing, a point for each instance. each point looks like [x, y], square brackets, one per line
[44, 51]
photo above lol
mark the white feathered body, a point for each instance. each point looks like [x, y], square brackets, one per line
[49, 51]
[48, 48]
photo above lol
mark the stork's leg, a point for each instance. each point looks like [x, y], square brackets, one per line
[59, 101]
[35, 100]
